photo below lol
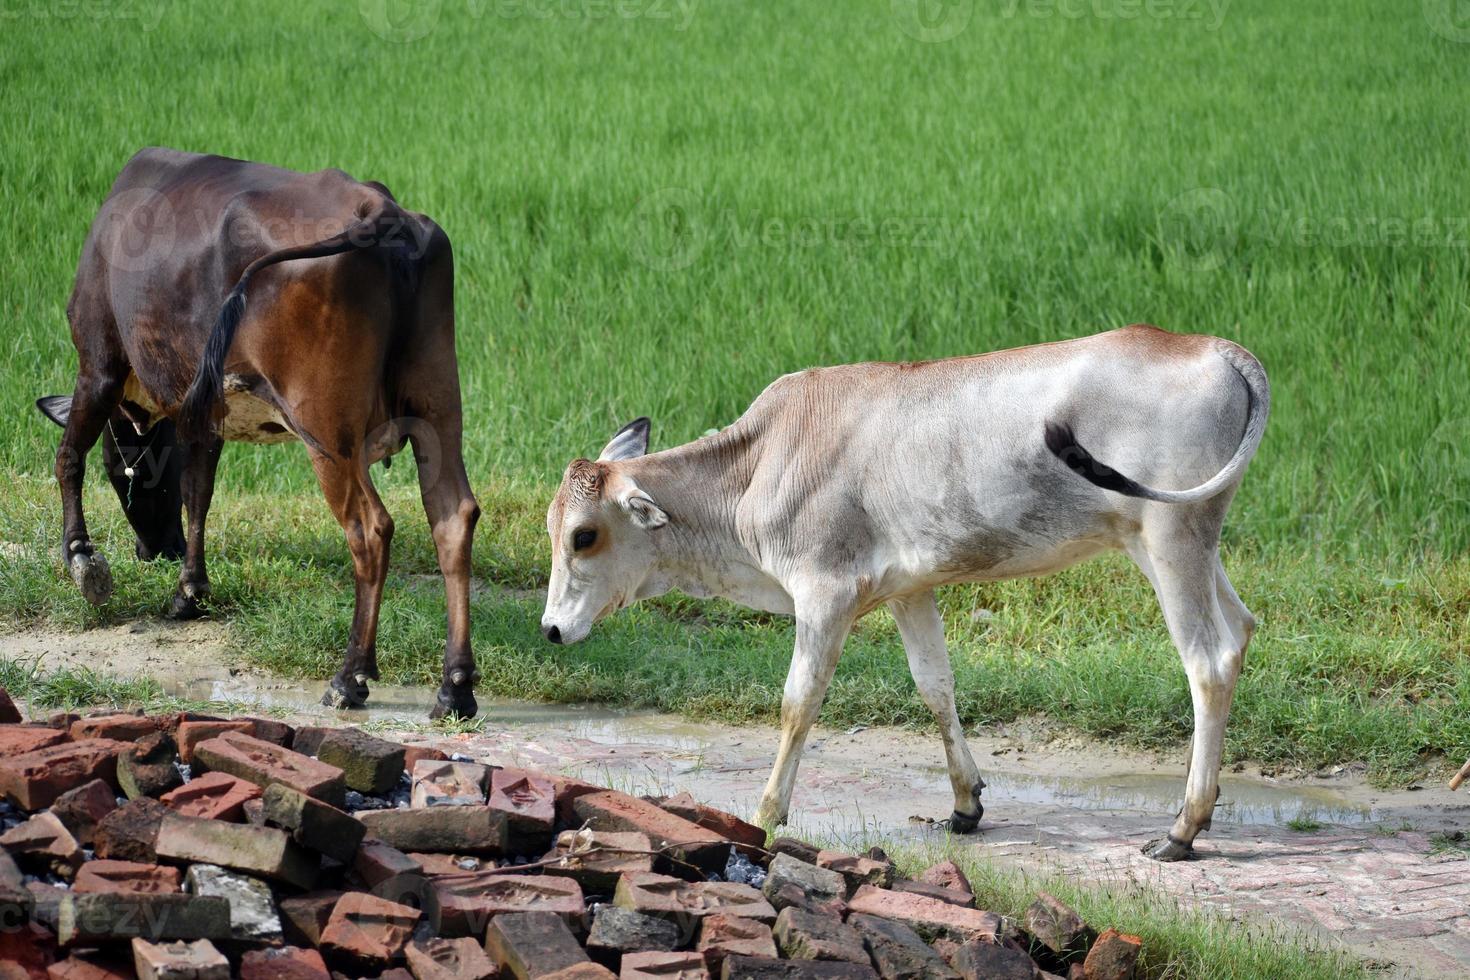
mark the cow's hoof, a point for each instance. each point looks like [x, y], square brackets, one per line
[961, 823]
[92, 575]
[342, 695]
[454, 701]
[185, 607]
[1169, 849]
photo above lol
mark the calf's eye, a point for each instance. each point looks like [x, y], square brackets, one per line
[583, 539]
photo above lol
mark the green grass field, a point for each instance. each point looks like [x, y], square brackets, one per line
[657, 209]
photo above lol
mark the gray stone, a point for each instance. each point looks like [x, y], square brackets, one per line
[817, 884]
[805, 936]
[897, 951]
[253, 914]
[318, 826]
[368, 764]
[616, 930]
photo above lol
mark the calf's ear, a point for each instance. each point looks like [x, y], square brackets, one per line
[630, 442]
[642, 510]
[57, 408]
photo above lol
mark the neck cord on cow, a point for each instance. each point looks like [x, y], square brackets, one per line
[130, 470]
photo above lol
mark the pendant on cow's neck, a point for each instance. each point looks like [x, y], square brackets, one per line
[129, 472]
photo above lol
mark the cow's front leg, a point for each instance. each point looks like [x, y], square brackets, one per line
[822, 625]
[922, 629]
[196, 484]
[369, 530]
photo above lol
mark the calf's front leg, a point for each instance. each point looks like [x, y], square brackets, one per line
[821, 629]
[922, 629]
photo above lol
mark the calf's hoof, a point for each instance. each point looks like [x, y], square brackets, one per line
[1169, 849]
[454, 701]
[963, 823]
[185, 607]
[90, 571]
[343, 694]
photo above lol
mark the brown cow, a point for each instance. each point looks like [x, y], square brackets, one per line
[337, 328]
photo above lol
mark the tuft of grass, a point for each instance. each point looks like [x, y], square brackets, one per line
[1304, 824]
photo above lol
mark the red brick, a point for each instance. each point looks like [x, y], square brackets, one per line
[581, 971]
[653, 966]
[367, 930]
[377, 863]
[126, 876]
[264, 763]
[369, 764]
[283, 963]
[468, 901]
[191, 733]
[448, 959]
[314, 825]
[130, 832]
[806, 936]
[728, 935]
[460, 783]
[63, 720]
[82, 809]
[857, 871]
[568, 790]
[440, 829]
[33, 780]
[688, 842]
[147, 767]
[1114, 956]
[19, 739]
[198, 960]
[949, 895]
[9, 713]
[532, 944]
[303, 917]
[27, 947]
[414, 754]
[597, 859]
[528, 800]
[448, 864]
[92, 966]
[271, 730]
[43, 845]
[119, 726]
[768, 968]
[669, 897]
[929, 917]
[947, 874]
[95, 918]
[262, 851]
[992, 961]
[1058, 927]
[725, 824]
[213, 796]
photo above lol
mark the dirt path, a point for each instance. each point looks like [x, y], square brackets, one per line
[1374, 876]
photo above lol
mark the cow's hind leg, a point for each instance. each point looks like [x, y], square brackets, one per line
[369, 529]
[1211, 640]
[97, 392]
[200, 460]
[922, 629]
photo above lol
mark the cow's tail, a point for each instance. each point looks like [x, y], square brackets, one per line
[1063, 443]
[195, 418]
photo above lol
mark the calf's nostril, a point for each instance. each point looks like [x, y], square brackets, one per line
[553, 634]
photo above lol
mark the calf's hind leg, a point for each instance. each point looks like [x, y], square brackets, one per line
[922, 630]
[369, 529]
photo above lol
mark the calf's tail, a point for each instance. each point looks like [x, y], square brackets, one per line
[1064, 445]
[195, 418]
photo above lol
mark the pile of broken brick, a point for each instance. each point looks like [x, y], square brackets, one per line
[193, 846]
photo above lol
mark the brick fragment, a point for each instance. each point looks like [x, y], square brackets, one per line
[262, 851]
[448, 864]
[26, 948]
[264, 763]
[377, 863]
[682, 840]
[440, 829]
[198, 960]
[303, 917]
[191, 733]
[949, 895]
[816, 884]
[126, 876]
[63, 720]
[369, 764]
[857, 871]
[82, 808]
[147, 767]
[43, 845]
[212, 796]
[767, 968]
[727, 825]
[992, 961]
[20, 739]
[582, 971]
[468, 901]
[657, 966]
[947, 874]
[669, 897]
[308, 738]
[805, 936]
[253, 915]
[798, 849]
[1113, 956]
[929, 917]
[115, 725]
[731, 935]
[449, 959]
[568, 790]
[528, 800]
[597, 859]
[1059, 928]
[436, 783]
[100, 917]
[617, 931]
[9, 713]
[33, 780]
[272, 730]
[414, 754]
[898, 952]
[109, 965]
[313, 824]
[532, 944]
[368, 931]
[283, 963]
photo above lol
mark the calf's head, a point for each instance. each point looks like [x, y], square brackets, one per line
[602, 546]
[144, 470]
